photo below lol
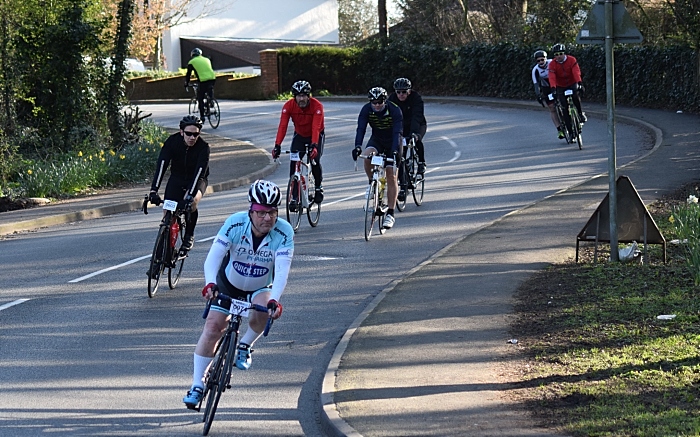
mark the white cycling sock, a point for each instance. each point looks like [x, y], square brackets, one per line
[201, 364]
[250, 337]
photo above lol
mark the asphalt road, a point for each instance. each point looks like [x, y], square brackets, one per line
[96, 356]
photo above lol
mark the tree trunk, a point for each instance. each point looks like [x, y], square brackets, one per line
[125, 17]
[383, 30]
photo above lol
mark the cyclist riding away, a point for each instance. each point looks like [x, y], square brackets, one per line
[187, 155]
[565, 73]
[386, 121]
[249, 260]
[414, 123]
[540, 78]
[307, 115]
[205, 75]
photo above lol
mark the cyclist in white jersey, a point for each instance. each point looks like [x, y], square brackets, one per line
[249, 260]
[540, 78]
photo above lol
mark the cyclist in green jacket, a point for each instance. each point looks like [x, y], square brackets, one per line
[205, 75]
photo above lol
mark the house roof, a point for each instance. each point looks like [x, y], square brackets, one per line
[226, 54]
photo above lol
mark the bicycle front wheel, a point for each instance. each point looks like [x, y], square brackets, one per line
[417, 181]
[313, 212]
[214, 114]
[403, 176]
[158, 260]
[294, 205]
[370, 209]
[576, 127]
[193, 106]
[178, 261]
[217, 380]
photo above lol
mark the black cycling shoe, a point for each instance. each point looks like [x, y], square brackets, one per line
[153, 275]
[187, 242]
[421, 168]
[402, 195]
[318, 195]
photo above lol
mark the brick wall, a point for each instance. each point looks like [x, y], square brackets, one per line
[269, 71]
[172, 88]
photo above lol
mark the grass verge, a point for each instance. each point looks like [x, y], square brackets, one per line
[597, 360]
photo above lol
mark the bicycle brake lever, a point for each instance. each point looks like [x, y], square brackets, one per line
[144, 205]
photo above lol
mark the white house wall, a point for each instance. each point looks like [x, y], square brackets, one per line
[286, 20]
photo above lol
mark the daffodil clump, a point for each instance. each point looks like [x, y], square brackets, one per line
[84, 170]
[686, 222]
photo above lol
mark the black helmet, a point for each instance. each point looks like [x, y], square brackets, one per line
[402, 84]
[190, 120]
[540, 54]
[377, 93]
[556, 48]
[301, 87]
[264, 193]
[196, 52]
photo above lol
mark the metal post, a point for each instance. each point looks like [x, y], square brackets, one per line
[612, 160]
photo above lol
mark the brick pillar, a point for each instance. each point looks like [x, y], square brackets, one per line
[269, 71]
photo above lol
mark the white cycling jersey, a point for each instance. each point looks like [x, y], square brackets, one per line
[251, 270]
[540, 76]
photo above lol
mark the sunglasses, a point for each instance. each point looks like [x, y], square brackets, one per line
[377, 102]
[263, 214]
[540, 60]
[558, 53]
[401, 91]
[191, 134]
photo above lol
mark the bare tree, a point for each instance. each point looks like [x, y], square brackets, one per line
[356, 19]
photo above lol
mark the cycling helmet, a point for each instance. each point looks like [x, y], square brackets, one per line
[196, 52]
[264, 193]
[402, 84]
[377, 93]
[301, 87]
[540, 54]
[556, 48]
[190, 120]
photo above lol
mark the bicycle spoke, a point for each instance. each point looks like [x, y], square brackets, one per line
[294, 206]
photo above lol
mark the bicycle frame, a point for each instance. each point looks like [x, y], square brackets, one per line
[301, 174]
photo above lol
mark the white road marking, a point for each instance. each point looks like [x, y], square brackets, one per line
[11, 304]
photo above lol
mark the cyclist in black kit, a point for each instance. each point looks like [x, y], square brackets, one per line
[414, 123]
[187, 154]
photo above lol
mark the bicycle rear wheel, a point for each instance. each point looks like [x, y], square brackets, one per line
[403, 176]
[158, 260]
[193, 106]
[294, 206]
[313, 212]
[178, 260]
[217, 380]
[417, 180]
[371, 204]
[214, 114]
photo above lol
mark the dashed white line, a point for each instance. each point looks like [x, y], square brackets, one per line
[11, 304]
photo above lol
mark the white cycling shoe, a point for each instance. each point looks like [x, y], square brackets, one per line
[389, 221]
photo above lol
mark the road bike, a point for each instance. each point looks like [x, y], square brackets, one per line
[572, 131]
[167, 251]
[211, 107]
[376, 205]
[408, 174]
[301, 189]
[218, 378]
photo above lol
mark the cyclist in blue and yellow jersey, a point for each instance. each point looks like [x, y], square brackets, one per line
[414, 123]
[249, 260]
[386, 121]
[187, 155]
[205, 75]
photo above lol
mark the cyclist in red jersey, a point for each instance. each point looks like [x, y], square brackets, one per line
[565, 73]
[306, 113]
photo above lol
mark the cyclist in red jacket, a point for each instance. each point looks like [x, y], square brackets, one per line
[307, 115]
[565, 73]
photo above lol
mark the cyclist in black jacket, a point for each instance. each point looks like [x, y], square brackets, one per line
[414, 123]
[187, 154]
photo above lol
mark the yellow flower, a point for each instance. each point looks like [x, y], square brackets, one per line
[29, 171]
[147, 150]
[102, 159]
[161, 145]
[122, 157]
[112, 152]
[671, 219]
[102, 152]
[90, 157]
[80, 153]
[139, 148]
